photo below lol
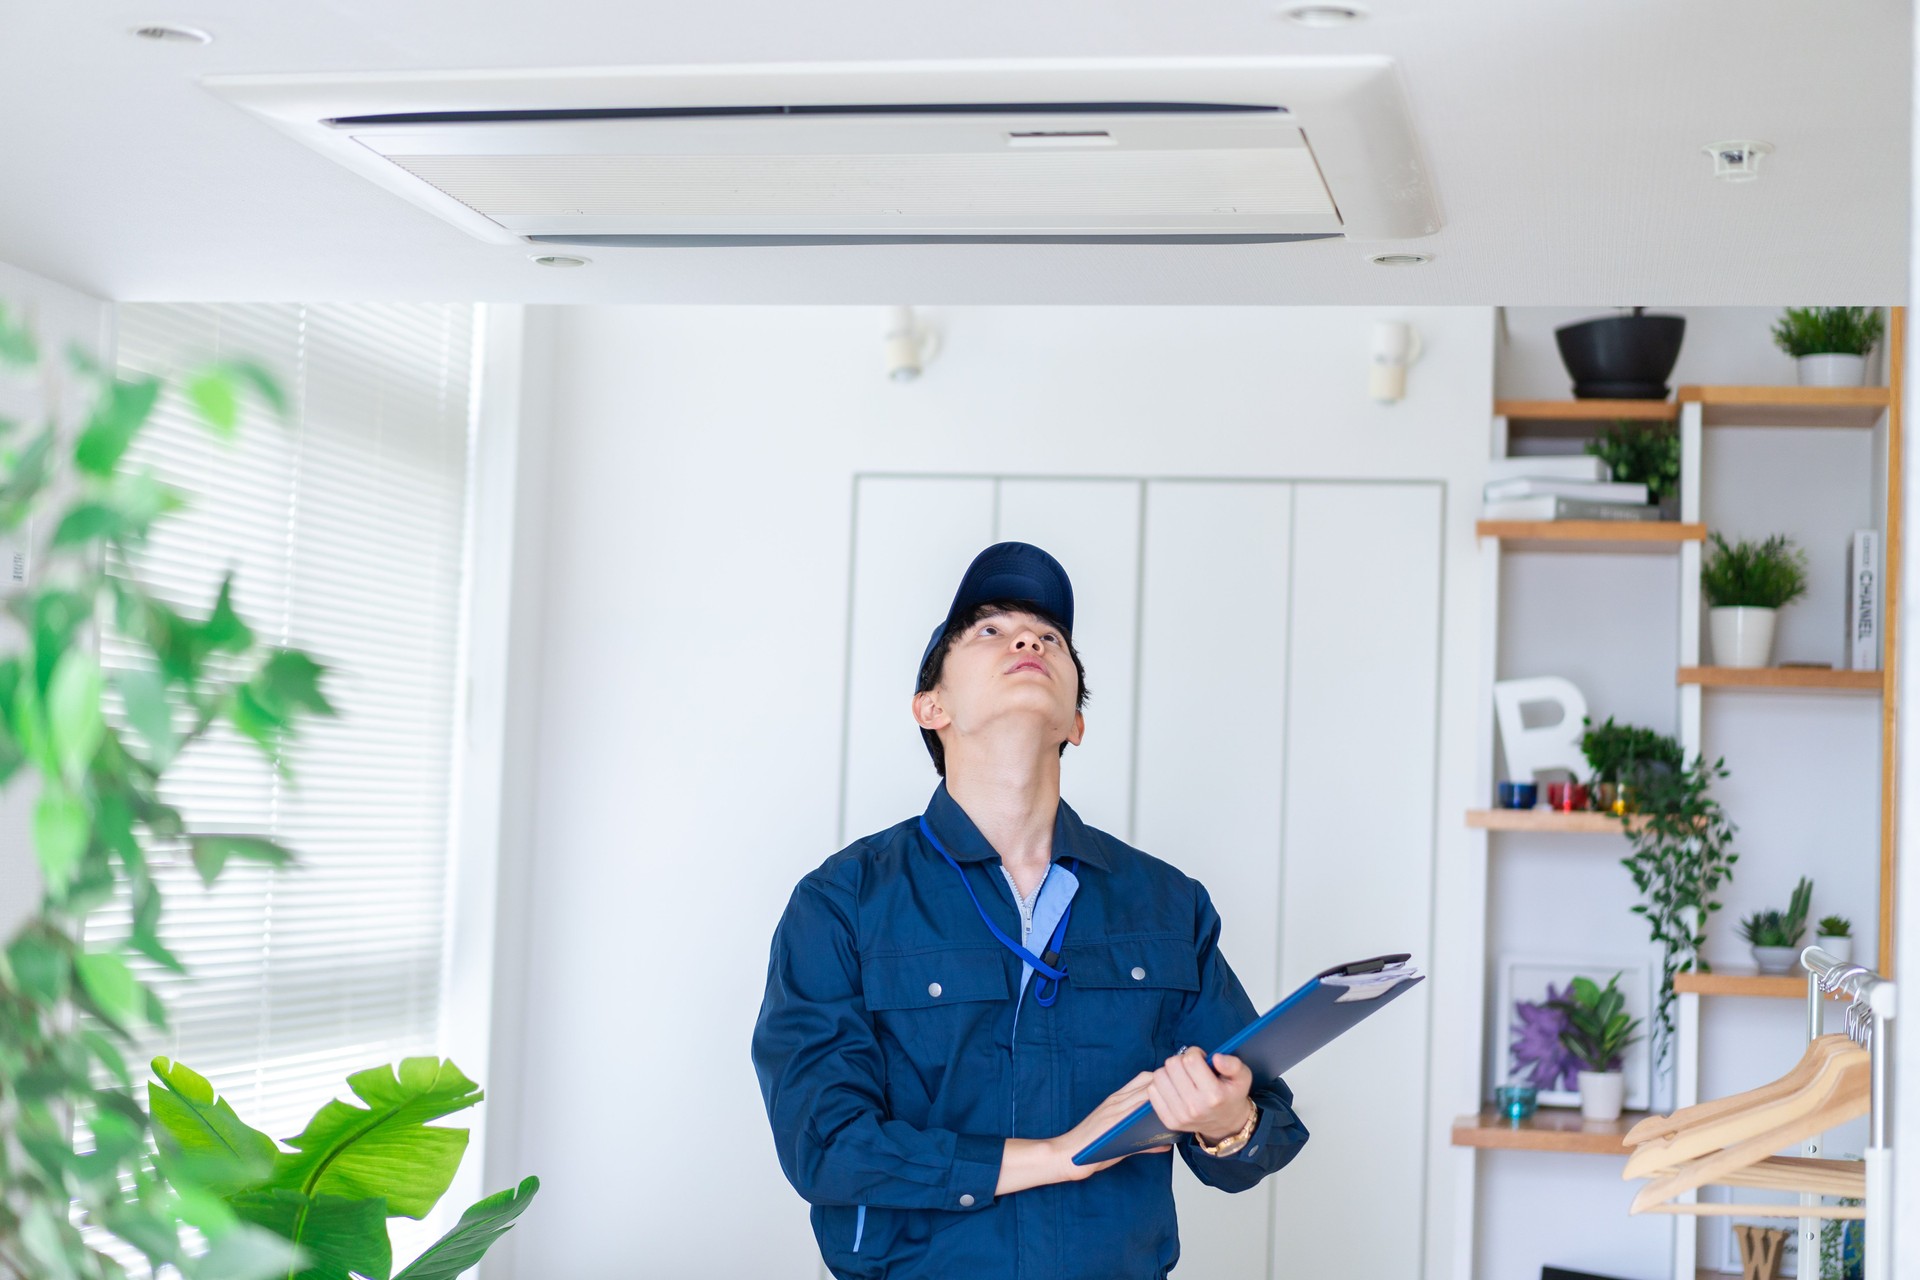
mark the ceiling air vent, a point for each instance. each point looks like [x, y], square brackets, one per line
[1209, 150]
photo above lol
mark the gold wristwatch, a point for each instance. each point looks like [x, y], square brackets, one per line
[1233, 1142]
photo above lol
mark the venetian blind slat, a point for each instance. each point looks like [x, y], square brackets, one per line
[345, 530]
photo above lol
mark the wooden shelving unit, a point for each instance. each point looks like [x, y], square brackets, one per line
[1802, 679]
[1547, 820]
[1844, 407]
[1657, 537]
[1548, 1129]
[1694, 412]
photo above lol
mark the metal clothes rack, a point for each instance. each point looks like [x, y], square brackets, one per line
[1870, 1007]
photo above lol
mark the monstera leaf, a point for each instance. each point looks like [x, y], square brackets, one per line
[486, 1221]
[200, 1137]
[341, 1238]
[385, 1149]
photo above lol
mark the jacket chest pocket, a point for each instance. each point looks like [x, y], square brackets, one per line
[1128, 995]
[931, 1007]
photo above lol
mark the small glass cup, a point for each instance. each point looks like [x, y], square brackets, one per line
[1516, 1101]
[1567, 797]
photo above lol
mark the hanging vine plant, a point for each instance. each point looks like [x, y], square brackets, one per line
[1682, 855]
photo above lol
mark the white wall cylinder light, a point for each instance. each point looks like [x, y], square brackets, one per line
[1396, 344]
[910, 346]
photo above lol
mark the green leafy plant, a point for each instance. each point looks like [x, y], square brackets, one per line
[1643, 452]
[350, 1169]
[1682, 854]
[1759, 575]
[1598, 1030]
[1622, 753]
[75, 1146]
[1842, 1244]
[1835, 927]
[1820, 331]
[1780, 928]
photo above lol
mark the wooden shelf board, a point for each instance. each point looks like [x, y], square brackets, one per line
[1586, 823]
[1846, 407]
[1548, 1129]
[1576, 419]
[1743, 982]
[1613, 536]
[1817, 679]
[1587, 412]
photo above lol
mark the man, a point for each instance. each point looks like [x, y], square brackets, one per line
[958, 1004]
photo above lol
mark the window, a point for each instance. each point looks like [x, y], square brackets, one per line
[345, 528]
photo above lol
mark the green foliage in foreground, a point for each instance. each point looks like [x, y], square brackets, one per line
[75, 1146]
[352, 1168]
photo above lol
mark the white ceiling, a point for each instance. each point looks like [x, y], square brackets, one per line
[1564, 139]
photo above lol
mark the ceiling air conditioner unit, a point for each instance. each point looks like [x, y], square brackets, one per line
[1230, 150]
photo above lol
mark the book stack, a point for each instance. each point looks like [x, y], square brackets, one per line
[1562, 487]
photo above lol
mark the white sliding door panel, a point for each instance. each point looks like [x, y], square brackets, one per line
[1358, 865]
[913, 538]
[1213, 663]
[1092, 527]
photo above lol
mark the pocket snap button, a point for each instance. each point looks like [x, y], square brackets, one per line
[933, 989]
[1138, 973]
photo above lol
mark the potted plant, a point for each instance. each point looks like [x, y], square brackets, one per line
[1646, 453]
[1746, 583]
[1775, 935]
[1625, 357]
[1618, 754]
[1829, 344]
[1835, 937]
[1682, 853]
[1598, 1033]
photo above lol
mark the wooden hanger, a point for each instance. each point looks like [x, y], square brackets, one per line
[1804, 1071]
[1727, 1121]
[1748, 1139]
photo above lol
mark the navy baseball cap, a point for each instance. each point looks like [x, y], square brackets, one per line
[1007, 571]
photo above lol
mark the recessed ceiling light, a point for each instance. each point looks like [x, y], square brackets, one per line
[1400, 259]
[561, 260]
[171, 34]
[1326, 15]
[1739, 160]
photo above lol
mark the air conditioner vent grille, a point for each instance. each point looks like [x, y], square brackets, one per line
[1053, 184]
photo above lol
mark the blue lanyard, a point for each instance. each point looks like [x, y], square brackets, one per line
[1047, 989]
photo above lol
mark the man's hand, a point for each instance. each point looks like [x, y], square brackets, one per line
[1028, 1162]
[1191, 1097]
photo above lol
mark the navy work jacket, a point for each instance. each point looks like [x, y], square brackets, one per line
[894, 1066]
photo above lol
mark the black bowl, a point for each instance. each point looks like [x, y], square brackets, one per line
[1621, 357]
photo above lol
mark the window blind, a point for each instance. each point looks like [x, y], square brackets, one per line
[345, 529]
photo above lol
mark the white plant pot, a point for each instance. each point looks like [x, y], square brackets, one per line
[1742, 635]
[1840, 949]
[1832, 370]
[1776, 960]
[1602, 1094]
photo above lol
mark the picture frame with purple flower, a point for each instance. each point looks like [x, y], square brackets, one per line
[1526, 1035]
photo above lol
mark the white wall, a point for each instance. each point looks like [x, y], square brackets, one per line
[690, 684]
[58, 316]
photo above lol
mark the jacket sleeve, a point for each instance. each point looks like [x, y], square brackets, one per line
[1216, 1011]
[822, 1077]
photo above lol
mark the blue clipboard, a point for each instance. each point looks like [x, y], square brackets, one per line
[1325, 1007]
